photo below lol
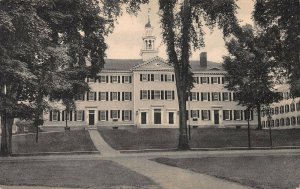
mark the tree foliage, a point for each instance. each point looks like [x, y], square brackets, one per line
[182, 24]
[249, 69]
[280, 19]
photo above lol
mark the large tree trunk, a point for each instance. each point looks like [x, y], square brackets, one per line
[183, 137]
[4, 141]
[258, 107]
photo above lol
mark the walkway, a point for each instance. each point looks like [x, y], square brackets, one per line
[166, 176]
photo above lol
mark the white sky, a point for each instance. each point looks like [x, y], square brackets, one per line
[126, 40]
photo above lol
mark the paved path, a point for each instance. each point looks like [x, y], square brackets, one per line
[166, 176]
[31, 187]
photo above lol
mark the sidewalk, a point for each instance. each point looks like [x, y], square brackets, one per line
[167, 177]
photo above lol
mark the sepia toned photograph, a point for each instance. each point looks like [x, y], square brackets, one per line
[150, 94]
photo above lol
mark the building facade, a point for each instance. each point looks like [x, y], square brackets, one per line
[142, 93]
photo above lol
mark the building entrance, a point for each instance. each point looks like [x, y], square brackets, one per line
[216, 116]
[91, 117]
[157, 116]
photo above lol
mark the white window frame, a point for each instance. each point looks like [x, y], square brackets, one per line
[114, 94]
[126, 79]
[239, 115]
[225, 118]
[205, 95]
[194, 114]
[114, 79]
[213, 80]
[102, 113]
[195, 79]
[157, 77]
[126, 96]
[144, 95]
[91, 96]
[157, 95]
[91, 80]
[144, 77]
[103, 79]
[55, 115]
[213, 96]
[226, 96]
[79, 115]
[169, 95]
[205, 115]
[204, 82]
[194, 96]
[114, 113]
[126, 115]
[169, 78]
[101, 96]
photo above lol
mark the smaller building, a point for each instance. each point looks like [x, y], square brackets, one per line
[284, 114]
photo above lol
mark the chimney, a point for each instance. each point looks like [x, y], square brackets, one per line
[203, 59]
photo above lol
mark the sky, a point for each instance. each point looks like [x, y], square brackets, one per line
[126, 40]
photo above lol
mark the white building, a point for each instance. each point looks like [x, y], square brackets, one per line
[142, 93]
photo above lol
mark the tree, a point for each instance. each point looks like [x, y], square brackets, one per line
[182, 25]
[249, 70]
[281, 22]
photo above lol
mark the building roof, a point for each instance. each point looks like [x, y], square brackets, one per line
[128, 64]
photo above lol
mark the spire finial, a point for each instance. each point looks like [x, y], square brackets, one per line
[148, 24]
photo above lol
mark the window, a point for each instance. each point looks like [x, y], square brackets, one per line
[287, 121]
[263, 113]
[238, 115]
[282, 109]
[194, 114]
[79, 115]
[103, 115]
[272, 111]
[263, 124]
[169, 95]
[114, 79]
[114, 96]
[194, 96]
[250, 114]
[126, 79]
[80, 96]
[55, 115]
[103, 79]
[293, 120]
[227, 114]
[157, 77]
[281, 122]
[205, 96]
[226, 96]
[126, 115]
[156, 94]
[215, 80]
[293, 107]
[204, 80]
[114, 114]
[103, 96]
[205, 114]
[91, 96]
[144, 94]
[287, 108]
[215, 96]
[298, 106]
[196, 80]
[169, 78]
[144, 77]
[298, 120]
[277, 123]
[91, 80]
[276, 110]
[126, 96]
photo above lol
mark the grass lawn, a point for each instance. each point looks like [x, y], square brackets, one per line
[263, 172]
[75, 173]
[136, 139]
[53, 142]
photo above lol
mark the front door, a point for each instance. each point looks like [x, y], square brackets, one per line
[91, 117]
[216, 116]
[171, 118]
[157, 116]
[144, 118]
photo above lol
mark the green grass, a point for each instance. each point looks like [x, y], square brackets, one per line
[53, 142]
[72, 173]
[137, 139]
[263, 172]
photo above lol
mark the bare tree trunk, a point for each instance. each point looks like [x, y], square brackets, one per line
[4, 141]
[183, 137]
[9, 124]
[259, 127]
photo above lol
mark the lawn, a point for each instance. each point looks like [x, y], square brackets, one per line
[137, 139]
[75, 173]
[263, 172]
[69, 141]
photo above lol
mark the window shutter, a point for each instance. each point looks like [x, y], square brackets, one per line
[219, 82]
[187, 114]
[201, 80]
[191, 113]
[202, 112]
[208, 114]
[99, 115]
[95, 96]
[198, 113]
[110, 96]
[83, 115]
[118, 113]
[152, 94]
[197, 96]
[162, 77]
[106, 115]
[106, 79]
[208, 95]
[87, 96]
[197, 80]
[130, 96]
[119, 96]
[118, 79]
[63, 115]
[140, 94]
[50, 115]
[122, 115]
[162, 95]
[149, 95]
[251, 114]
[148, 77]
[219, 96]
[75, 115]
[223, 95]
[165, 77]
[123, 96]
[111, 79]
[208, 80]
[99, 96]
[110, 113]
[152, 77]
[223, 80]
[141, 77]
[58, 117]
[71, 115]
[201, 96]
[211, 80]
[223, 114]
[166, 95]
[122, 79]
[230, 112]
[106, 96]
[130, 115]
[173, 77]
[130, 79]
[173, 95]
[242, 114]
